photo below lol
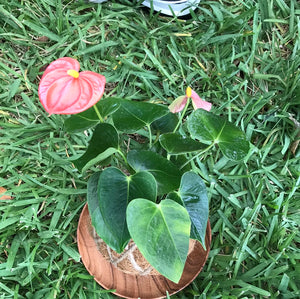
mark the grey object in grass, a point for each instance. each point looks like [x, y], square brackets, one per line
[168, 7]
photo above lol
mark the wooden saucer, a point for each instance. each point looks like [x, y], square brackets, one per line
[150, 286]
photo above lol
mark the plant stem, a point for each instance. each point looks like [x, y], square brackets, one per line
[98, 114]
[182, 115]
[150, 136]
[123, 156]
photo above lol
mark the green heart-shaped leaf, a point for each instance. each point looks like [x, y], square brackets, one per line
[192, 192]
[98, 222]
[208, 128]
[165, 172]
[77, 123]
[132, 115]
[161, 232]
[166, 124]
[104, 142]
[115, 191]
[108, 106]
[89, 118]
[175, 143]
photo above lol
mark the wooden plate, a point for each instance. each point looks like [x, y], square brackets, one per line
[133, 285]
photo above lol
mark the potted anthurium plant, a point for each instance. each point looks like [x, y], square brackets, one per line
[144, 185]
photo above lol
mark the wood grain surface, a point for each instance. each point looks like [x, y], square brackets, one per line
[132, 285]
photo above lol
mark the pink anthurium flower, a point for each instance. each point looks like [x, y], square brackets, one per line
[63, 90]
[181, 101]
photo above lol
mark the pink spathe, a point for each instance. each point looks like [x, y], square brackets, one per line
[178, 104]
[63, 90]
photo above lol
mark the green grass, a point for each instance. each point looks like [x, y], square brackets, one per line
[242, 55]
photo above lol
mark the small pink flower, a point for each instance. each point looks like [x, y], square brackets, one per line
[63, 90]
[181, 101]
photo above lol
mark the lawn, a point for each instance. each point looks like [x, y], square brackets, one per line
[241, 55]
